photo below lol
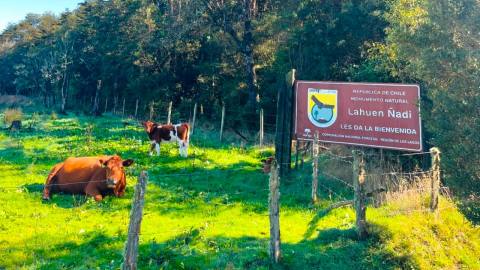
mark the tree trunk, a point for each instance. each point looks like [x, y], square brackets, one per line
[64, 93]
[248, 54]
[95, 109]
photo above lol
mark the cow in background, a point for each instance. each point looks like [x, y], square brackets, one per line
[169, 134]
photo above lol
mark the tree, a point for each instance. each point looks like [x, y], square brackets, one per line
[437, 43]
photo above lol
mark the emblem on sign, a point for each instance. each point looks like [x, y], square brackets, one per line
[322, 107]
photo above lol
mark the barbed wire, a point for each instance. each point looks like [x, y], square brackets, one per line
[331, 191]
[400, 173]
[337, 179]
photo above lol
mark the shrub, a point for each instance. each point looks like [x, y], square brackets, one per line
[10, 115]
[34, 119]
[53, 116]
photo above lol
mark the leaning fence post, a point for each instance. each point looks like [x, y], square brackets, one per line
[169, 113]
[130, 254]
[221, 123]
[359, 197]
[435, 178]
[315, 168]
[274, 210]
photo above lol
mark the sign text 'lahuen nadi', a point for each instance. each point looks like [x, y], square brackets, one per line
[367, 114]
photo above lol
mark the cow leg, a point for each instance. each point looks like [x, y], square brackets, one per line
[157, 148]
[180, 148]
[183, 148]
[50, 180]
[93, 191]
[152, 146]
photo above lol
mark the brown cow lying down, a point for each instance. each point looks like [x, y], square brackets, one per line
[94, 176]
[169, 134]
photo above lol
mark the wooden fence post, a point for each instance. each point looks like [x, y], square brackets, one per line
[274, 210]
[315, 168]
[123, 108]
[261, 128]
[130, 254]
[221, 123]
[194, 116]
[106, 104]
[151, 111]
[169, 113]
[435, 178]
[359, 196]
[115, 101]
[136, 108]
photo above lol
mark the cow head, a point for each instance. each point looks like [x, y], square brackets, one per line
[149, 126]
[115, 174]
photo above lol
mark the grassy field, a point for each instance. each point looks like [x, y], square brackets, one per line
[208, 211]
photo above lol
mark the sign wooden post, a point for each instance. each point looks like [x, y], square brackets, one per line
[435, 178]
[130, 254]
[274, 210]
[283, 133]
[359, 196]
[296, 153]
[315, 169]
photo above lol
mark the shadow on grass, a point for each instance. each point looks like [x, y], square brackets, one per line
[333, 249]
[93, 251]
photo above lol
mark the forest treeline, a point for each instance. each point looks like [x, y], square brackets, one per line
[236, 52]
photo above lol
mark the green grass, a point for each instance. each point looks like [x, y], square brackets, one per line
[211, 214]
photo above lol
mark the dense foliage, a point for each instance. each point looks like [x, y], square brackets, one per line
[236, 53]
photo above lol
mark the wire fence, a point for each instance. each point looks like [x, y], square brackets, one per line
[333, 182]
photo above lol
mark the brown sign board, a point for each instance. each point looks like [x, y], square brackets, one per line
[382, 115]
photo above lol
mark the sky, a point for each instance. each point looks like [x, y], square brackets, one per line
[12, 11]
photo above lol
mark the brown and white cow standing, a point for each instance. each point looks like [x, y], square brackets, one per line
[168, 134]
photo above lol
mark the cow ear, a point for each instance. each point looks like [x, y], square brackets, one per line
[103, 162]
[127, 162]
